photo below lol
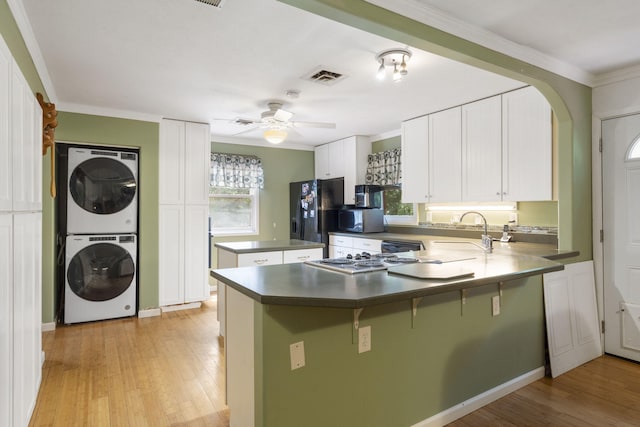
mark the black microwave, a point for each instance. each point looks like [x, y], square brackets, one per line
[361, 220]
[368, 196]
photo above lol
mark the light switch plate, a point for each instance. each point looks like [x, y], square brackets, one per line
[364, 339]
[296, 351]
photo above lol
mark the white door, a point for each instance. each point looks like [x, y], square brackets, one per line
[621, 224]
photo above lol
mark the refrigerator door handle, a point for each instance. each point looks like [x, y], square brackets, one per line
[294, 225]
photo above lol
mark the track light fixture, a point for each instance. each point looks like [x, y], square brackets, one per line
[393, 58]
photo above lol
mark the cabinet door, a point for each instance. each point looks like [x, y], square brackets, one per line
[356, 150]
[171, 257]
[368, 245]
[339, 251]
[6, 318]
[415, 160]
[445, 165]
[197, 161]
[321, 161]
[527, 146]
[171, 162]
[336, 159]
[196, 282]
[260, 258]
[301, 255]
[21, 118]
[27, 311]
[482, 151]
[6, 160]
[343, 241]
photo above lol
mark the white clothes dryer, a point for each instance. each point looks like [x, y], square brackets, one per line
[102, 191]
[100, 277]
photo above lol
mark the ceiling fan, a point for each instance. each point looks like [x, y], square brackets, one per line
[276, 122]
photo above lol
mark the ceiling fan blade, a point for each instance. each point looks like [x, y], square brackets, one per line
[282, 115]
[314, 125]
[246, 131]
[242, 121]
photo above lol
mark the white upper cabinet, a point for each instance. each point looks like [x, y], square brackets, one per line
[345, 158]
[415, 157]
[171, 162]
[527, 146]
[329, 160]
[356, 151]
[495, 149]
[482, 150]
[197, 155]
[444, 156]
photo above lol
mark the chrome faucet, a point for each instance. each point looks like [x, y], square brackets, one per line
[487, 241]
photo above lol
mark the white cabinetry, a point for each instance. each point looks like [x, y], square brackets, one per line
[346, 158]
[498, 148]
[526, 144]
[184, 209]
[341, 246]
[415, 158]
[482, 150]
[20, 244]
[444, 156]
[230, 259]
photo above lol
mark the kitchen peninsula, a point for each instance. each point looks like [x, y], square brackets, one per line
[293, 339]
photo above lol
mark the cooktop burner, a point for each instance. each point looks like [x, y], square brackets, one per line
[353, 265]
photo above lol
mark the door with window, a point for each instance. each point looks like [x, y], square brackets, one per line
[621, 223]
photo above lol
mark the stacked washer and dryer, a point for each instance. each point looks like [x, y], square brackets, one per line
[101, 234]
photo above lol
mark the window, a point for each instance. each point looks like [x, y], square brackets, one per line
[233, 211]
[634, 151]
[397, 212]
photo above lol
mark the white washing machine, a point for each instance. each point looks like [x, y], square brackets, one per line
[102, 191]
[100, 277]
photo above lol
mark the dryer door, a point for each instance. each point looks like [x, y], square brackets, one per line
[101, 272]
[102, 186]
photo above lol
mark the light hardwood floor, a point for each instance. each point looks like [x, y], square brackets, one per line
[169, 371]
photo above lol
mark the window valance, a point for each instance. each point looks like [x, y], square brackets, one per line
[383, 168]
[236, 171]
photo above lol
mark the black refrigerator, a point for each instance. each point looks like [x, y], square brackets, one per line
[314, 207]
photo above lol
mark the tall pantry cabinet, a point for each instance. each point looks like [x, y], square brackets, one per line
[20, 244]
[184, 210]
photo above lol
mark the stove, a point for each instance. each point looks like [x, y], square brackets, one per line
[361, 263]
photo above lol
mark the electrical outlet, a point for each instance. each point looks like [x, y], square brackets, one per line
[296, 350]
[364, 339]
[495, 305]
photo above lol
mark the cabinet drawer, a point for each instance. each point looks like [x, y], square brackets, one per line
[260, 258]
[338, 251]
[341, 241]
[367, 244]
[301, 255]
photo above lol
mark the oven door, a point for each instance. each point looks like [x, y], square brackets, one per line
[394, 246]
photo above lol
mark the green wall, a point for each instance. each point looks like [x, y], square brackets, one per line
[281, 166]
[570, 101]
[88, 129]
[449, 354]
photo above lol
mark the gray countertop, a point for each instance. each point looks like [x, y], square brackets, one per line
[306, 285]
[267, 246]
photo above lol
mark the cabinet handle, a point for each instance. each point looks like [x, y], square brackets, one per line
[260, 261]
[504, 194]
[304, 257]
[498, 193]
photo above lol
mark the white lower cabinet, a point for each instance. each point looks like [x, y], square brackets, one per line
[341, 246]
[230, 259]
[6, 318]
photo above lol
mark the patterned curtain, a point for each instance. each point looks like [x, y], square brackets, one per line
[383, 168]
[236, 171]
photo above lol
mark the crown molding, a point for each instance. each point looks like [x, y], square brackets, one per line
[385, 135]
[259, 143]
[107, 112]
[437, 19]
[24, 25]
[616, 76]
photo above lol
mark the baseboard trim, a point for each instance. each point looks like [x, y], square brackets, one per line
[449, 415]
[177, 307]
[150, 312]
[47, 327]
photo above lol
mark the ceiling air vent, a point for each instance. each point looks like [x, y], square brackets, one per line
[215, 3]
[323, 76]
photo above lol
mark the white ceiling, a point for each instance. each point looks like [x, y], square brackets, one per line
[186, 60]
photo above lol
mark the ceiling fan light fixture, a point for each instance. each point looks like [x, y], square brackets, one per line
[396, 73]
[275, 136]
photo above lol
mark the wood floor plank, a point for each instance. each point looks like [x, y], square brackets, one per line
[169, 371]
